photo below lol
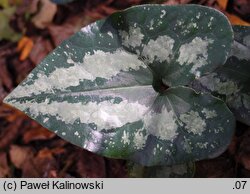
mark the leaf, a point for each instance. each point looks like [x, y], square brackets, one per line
[59, 33]
[88, 163]
[20, 155]
[25, 45]
[223, 4]
[176, 171]
[31, 165]
[220, 167]
[97, 91]
[4, 3]
[5, 170]
[10, 133]
[178, 43]
[6, 32]
[116, 168]
[44, 17]
[242, 8]
[38, 133]
[42, 47]
[244, 150]
[231, 81]
[5, 75]
[169, 132]
[235, 20]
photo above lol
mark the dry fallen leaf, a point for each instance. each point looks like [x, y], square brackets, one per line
[222, 4]
[41, 165]
[60, 32]
[71, 25]
[244, 150]
[10, 133]
[220, 167]
[19, 155]
[5, 75]
[48, 153]
[9, 113]
[38, 133]
[3, 93]
[171, 2]
[242, 7]
[45, 15]
[117, 168]
[4, 167]
[246, 161]
[122, 4]
[45, 164]
[232, 148]
[87, 163]
[20, 69]
[58, 151]
[235, 20]
[25, 45]
[41, 49]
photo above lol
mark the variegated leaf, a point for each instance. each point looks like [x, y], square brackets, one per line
[231, 81]
[179, 43]
[98, 89]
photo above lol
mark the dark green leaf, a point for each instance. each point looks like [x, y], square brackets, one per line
[179, 43]
[231, 81]
[96, 89]
[134, 123]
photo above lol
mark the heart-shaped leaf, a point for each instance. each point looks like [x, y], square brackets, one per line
[99, 89]
[231, 81]
[179, 43]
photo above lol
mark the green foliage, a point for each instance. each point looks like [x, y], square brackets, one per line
[4, 3]
[6, 31]
[117, 87]
[231, 81]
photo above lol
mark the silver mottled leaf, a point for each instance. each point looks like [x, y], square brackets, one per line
[231, 81]
[98, 89]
